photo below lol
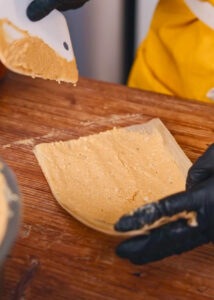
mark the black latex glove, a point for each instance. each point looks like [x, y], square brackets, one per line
[38, 9]
[176, 237]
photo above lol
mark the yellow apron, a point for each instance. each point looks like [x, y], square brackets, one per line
[177, 56]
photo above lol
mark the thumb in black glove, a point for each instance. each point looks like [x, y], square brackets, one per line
[38, 9]
[176, 237]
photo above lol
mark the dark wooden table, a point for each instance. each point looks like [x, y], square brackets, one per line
[55, 256]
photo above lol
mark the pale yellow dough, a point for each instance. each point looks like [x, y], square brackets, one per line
[4, 210]
[101, 177]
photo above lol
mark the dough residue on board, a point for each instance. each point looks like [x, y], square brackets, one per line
[106, 175]
[30, 141]
[4, 209]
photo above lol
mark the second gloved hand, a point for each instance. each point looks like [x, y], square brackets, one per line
[38, 9]
[176, 237]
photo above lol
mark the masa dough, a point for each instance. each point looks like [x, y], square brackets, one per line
[4, 210]
[101, 177]
[31, 56]
[38, 49]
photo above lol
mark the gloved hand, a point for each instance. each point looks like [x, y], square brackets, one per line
[176, 237]
[38, 9]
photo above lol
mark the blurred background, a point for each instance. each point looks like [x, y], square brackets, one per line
[105, 35]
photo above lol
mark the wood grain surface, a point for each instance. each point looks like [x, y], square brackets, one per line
[55, 256]
[2, 70]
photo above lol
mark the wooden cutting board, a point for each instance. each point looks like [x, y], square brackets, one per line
[56, 257]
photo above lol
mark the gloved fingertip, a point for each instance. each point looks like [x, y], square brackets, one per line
[127, 223]
[139, 262]
[121, 251]
[125, 252]
[38, 9]
[33, 13]
[133, 247]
